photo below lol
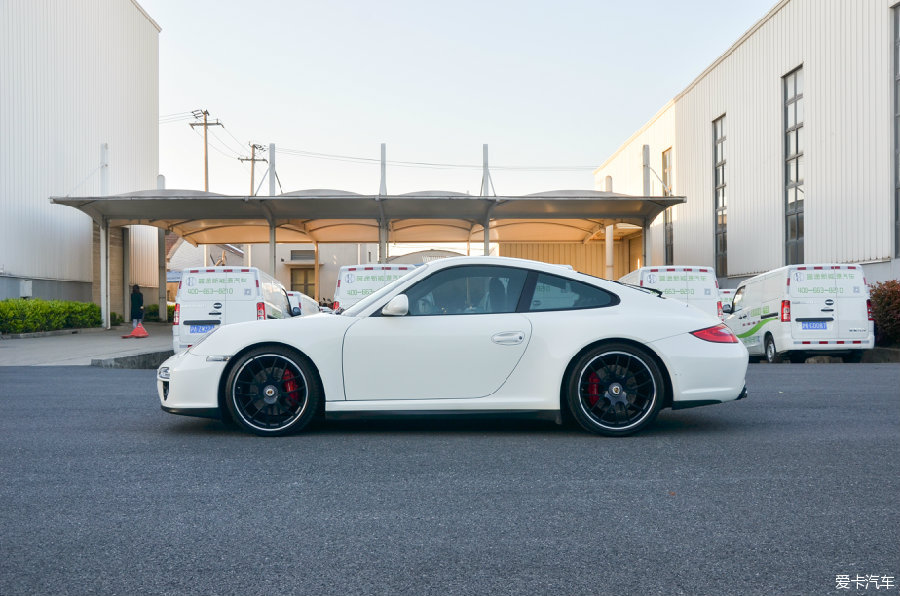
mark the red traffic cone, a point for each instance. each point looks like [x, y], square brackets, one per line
[138, 331]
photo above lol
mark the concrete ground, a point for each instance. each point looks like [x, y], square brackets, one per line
[75, 349]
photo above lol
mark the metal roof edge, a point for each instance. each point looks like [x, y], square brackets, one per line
[149, 18]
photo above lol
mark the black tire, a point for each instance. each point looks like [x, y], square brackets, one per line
[272, 391]
[797, 357]
[772, 357]
[615, 390]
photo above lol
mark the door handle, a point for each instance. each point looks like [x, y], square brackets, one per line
[827, 310]
[508, 338]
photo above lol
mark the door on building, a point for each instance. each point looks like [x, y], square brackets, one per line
[304, 281]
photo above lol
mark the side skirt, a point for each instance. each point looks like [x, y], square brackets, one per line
[550, 415]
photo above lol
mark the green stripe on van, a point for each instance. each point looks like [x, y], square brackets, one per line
[755, 328]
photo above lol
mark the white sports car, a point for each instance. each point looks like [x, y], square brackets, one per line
[467, 335]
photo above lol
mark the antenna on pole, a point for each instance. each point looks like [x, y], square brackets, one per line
[382, 190]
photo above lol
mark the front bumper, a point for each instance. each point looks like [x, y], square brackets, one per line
[192, 386]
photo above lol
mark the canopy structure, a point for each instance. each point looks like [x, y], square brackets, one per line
[327, 216]
[333, 216]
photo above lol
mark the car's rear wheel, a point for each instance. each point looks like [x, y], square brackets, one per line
[615, 390]
[272, 391]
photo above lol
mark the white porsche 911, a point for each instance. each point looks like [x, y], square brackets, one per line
[467, 335]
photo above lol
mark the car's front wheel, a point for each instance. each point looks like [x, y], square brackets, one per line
[615, 390]
[272, 391]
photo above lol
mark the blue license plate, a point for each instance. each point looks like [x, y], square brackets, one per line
[814, 325]
[201, 328]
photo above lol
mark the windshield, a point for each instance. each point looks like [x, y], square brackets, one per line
[376, 296]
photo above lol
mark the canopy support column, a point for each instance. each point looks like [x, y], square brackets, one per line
[161, 260]
[609, 246]
[126, 273]
[104, 272]
[316, 265]
[272, 248]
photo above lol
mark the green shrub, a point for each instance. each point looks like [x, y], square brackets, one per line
[115, 319]
[886, 311]
[151, 312]
[18, 315]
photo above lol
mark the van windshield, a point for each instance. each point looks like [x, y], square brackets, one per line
[376, 296]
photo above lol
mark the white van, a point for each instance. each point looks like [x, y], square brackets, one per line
[212, 296]
[355, 282]
[308, 306]
[802, 310]
[696, 286]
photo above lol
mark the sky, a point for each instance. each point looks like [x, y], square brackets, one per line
[553, 88]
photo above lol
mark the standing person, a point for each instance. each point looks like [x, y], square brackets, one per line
[137, 306]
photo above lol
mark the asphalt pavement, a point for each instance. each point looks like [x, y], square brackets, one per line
[777, 494]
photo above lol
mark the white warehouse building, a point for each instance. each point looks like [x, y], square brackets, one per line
[786, 147]
[79, 115]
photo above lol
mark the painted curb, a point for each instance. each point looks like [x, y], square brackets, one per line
[150, 360]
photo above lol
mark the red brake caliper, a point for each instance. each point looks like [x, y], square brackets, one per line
[291, 387]
[593, 392]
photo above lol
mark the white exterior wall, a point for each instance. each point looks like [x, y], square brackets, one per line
[74, 75]
[845, 48]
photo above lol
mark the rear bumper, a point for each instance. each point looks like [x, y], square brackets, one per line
[684, 404]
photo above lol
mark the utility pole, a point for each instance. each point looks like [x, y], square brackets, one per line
[205, 124]
[253, 159]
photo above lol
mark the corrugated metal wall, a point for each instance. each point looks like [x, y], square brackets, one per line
[844, 47]
[587, 258]
[75, 75]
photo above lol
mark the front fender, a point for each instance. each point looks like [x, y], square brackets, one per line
[318, 337]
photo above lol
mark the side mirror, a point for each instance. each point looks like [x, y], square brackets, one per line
[397, 307]
[295, 312]
[726, 309]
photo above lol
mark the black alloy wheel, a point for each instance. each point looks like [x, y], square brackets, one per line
[615, 390]
[272, 391]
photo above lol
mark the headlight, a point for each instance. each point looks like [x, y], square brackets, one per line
[163, 373]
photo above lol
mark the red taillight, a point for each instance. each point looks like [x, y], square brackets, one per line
[176, 318]
[785, 311]
[869, 310]
[336, 305]
[719, 308]
[260, 311]
[719, 334]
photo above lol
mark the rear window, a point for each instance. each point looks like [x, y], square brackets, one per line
[204, 285]
[827, 282]
[558, 293]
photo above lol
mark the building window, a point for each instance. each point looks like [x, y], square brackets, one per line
[793, 166]
[721, 205]
[667, 214]
[897, 131]
[304, 281]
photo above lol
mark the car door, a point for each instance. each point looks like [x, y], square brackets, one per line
[461, 339]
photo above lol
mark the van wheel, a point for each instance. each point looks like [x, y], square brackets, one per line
[272, 391]
[772, 357]
[615, 390]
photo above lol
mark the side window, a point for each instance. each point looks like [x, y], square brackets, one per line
[467, 290]
[738, 298]
[558, 293]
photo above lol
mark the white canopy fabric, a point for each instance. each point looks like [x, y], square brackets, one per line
[330, 216]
